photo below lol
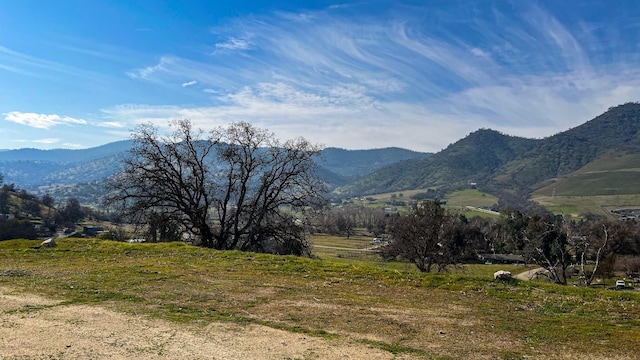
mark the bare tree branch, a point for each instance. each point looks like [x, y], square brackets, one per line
[227, 188]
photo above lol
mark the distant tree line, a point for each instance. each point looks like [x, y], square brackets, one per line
[433, 238]
[430, 236]
[344, 219]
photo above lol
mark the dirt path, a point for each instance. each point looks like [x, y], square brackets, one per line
[530, 274]
[34, 327]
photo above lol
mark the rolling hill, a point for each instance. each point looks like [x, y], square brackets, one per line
[615, 173]
[518, 165]
[80, 173]
[475, 158]
[31, 168]
[615, 131]
[597, 158]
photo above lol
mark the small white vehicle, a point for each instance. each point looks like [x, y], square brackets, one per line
[620, 284]
[377, 240]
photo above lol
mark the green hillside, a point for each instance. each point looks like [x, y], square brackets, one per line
[609, 182]
[569, 151]
[357, 163]
[474, 158]
[611, 174]
[81, 173]
[598, 158]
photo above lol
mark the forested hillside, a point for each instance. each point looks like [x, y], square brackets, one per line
[357, 163]
[475, 158]
[81, 173]
[511, 164]
[30, 168]
[615, 130]
[497, 162]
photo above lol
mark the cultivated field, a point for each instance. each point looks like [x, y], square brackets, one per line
[576, 205]
[88, 298]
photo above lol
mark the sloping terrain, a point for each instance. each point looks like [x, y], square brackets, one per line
[340, 167]
[475, 158]
[615, 130]
[514, 164]
[615, 173]
[608, 183]
[80, 173]
[29, 168]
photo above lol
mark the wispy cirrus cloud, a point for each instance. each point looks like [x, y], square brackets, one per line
[47, 141]
[112, 124]
[233, 44]
[41, 121]
[340, 115]
[39, 67]
[423, 73]
[146, 72]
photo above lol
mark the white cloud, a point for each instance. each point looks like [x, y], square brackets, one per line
[346, 116]
[47, 141]
[41, 121]
[233, 44]
[73, 146]
[189, 83]
[479, 52]
[146, 72]
[111, 124]
[341, 116]
[33, 66]
[355, 81]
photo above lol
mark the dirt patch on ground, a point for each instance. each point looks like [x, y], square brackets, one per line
[530, 274]
[34, 327]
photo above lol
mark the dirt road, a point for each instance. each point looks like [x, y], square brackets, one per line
[34, 327]
[530, 274]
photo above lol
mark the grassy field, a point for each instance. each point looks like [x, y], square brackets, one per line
[456, 201]
[608, 182]
[575, 205]
[612, 174]
[389, 306]
[358, 251]
[470, 197]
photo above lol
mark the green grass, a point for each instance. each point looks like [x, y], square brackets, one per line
[610, 181]
[575, 205]
[596, 184]
[390, 306]
[470, 197]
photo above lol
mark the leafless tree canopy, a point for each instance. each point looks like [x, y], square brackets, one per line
[425, 237]
[233, 188]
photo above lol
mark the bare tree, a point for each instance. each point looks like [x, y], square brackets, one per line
[601, 239]
[228, 188]
[424, 237]
[547, 245]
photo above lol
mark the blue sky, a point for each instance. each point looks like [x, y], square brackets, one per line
[356, 75]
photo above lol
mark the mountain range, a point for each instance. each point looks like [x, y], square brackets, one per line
[599, 157]
[65, 173]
